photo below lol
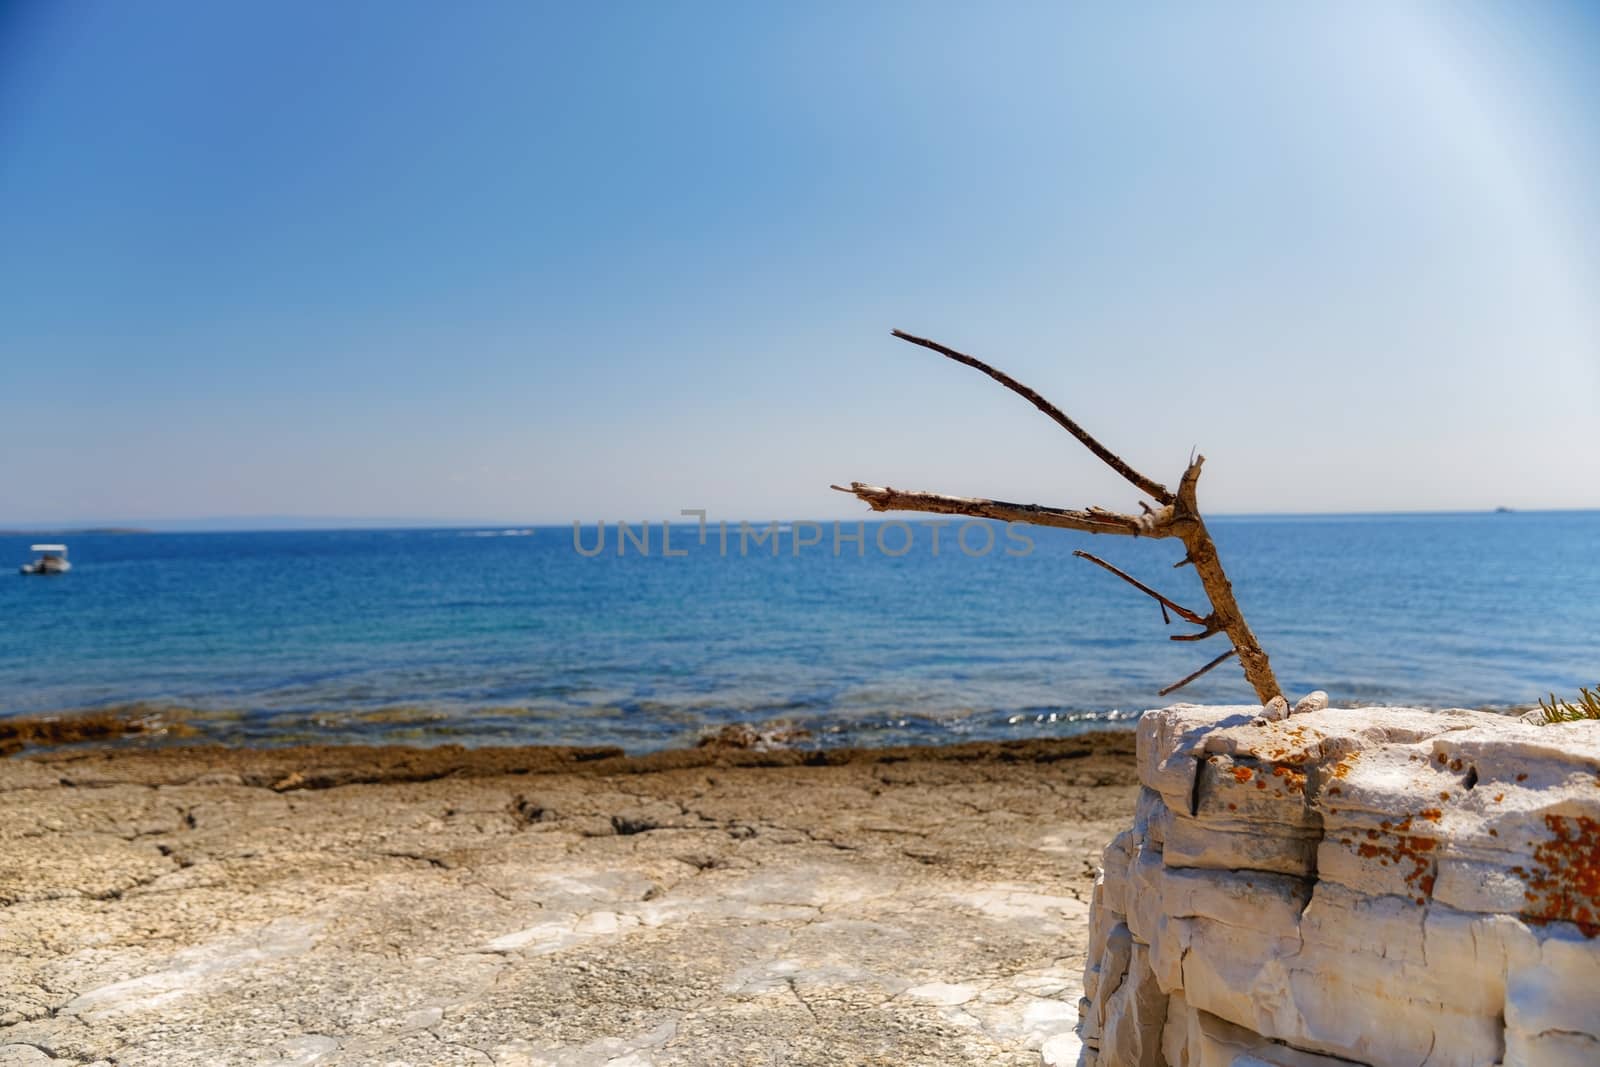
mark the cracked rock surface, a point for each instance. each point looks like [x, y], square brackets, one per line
[1380, 886]
[381, 906]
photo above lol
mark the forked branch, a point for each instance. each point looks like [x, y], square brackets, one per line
[1178, 516]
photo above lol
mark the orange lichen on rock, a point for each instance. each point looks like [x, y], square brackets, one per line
[1298, 752]
[1565, 886]
[1241, 774]
[1405, 849]
[1291, 778]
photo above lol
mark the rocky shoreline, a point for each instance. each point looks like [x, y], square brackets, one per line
[1372, 886]
[346, 905]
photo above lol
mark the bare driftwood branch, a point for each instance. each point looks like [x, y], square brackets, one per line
[1178, 517]
[1150, 486]
[1175, 686]
[1177, 609]
[1094, 520]
[1211, 630]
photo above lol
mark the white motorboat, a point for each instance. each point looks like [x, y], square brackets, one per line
[50, 559]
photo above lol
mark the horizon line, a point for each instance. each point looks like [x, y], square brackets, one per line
[335, 523]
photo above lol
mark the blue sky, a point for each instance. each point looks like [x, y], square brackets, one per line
[541, 262]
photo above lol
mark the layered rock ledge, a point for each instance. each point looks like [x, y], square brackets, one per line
[1381, 886]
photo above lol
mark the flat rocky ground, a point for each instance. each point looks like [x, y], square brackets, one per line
[538, 906]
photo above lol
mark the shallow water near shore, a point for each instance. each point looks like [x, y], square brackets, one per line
[493, 636]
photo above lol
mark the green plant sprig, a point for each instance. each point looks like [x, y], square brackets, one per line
[1587, 707]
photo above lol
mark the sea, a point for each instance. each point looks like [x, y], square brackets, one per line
[551, 635]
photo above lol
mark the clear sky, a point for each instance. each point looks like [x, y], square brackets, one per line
[538, 262]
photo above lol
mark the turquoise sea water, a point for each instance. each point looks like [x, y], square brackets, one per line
[498, 636]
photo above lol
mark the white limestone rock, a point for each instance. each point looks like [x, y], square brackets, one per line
[1371, 886]
[1316, 700]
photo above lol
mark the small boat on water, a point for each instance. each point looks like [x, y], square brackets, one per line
[51, 559]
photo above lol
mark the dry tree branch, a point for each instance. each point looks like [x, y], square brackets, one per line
[1225, 612]
[1211, 630]
[1179, 610]
[1149, 486]
[1175, 686]
[1179, 517]
[1094, 520]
